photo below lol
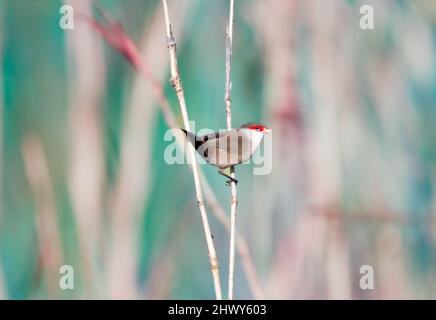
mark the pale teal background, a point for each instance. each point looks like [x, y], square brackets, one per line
[353, 181]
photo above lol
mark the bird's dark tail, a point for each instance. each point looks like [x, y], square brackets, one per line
[192, 138]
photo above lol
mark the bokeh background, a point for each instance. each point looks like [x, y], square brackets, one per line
[84, 182]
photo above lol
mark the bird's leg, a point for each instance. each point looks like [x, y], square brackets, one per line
[229, 177]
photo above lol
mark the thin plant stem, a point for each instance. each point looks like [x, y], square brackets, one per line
[127, 48]
[247, 262]
[178, 88]
[228, 104]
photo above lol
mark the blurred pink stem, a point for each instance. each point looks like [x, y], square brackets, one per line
[38, 176]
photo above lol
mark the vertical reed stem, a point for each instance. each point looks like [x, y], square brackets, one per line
[228, 103]
[178, 88]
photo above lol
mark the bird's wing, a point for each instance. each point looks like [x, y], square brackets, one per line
[225, 148]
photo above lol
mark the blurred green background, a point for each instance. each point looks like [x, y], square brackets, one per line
[84, 181]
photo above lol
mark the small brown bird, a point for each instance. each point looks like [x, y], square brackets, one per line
[227, 148]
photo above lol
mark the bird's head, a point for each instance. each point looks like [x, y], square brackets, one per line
[257, 127]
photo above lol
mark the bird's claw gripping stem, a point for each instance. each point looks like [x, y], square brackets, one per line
[228, 182]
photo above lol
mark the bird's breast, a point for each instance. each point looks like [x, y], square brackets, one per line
[231, 147]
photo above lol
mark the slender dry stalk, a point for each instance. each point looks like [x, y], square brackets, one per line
[177, 85]
[228, 103]
[248, 266]
[120, 41]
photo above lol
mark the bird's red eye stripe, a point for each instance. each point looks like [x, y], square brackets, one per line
[260, 128]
